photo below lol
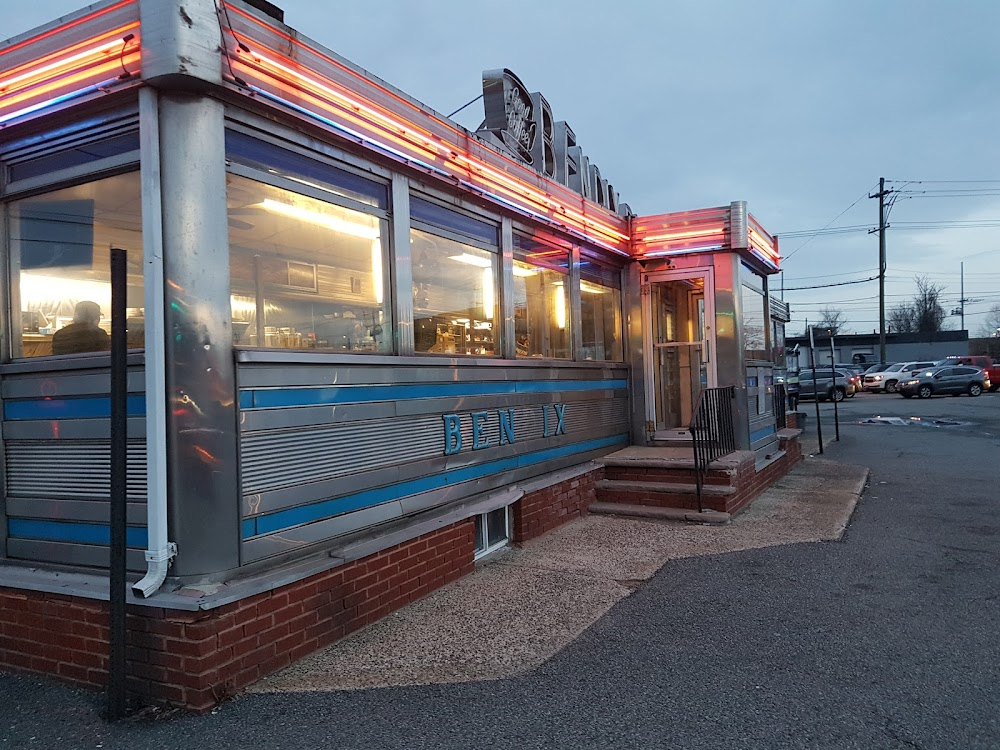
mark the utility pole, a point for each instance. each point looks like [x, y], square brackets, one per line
[882, 192]
[960, 310]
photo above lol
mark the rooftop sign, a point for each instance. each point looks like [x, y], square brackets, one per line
[522, 124]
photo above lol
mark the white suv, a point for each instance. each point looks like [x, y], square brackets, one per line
[887, 379]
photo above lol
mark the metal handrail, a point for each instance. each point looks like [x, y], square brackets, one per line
[713, 431]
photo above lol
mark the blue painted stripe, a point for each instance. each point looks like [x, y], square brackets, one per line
[90, 407]
[248, 527]
[762, 432]
[324, 509]
[281, 397]
[68, 531]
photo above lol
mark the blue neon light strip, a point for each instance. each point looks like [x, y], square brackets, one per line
[324, 509]
[91, 407]
[68, 531]
[56, 101]
[283, 397]
[762, 432]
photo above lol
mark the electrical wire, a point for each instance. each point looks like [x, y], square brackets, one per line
[824, 286]
[863, 195]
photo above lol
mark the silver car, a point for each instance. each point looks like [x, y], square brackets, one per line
[820, 381]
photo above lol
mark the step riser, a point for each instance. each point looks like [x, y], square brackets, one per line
[666, 476]
[661, 499]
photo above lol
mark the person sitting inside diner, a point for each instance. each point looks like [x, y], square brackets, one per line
[83, 334]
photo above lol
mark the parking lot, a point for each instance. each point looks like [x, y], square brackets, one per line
[980, 415]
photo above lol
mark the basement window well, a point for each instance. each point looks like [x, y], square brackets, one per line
[492, 531]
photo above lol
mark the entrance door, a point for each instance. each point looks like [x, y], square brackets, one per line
[679, 312]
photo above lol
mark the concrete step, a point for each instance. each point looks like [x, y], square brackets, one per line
[713, 517]
[664, 495]
[666, 475]
[660, 488]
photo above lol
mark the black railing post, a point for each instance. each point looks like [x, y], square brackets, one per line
[713, 432]
[119, 457]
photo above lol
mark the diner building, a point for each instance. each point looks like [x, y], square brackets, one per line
[367, 346]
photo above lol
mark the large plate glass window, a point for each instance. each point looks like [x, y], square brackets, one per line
[60, 266]
[455, 275]
[754, 315]
[307, 269]
[600, 311]
[541, 298]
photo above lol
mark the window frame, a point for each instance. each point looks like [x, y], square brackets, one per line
[480, 553]
[383, 215]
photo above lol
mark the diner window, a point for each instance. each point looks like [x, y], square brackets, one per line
[778, 343]
[541, 299]
[454, 296]
[601, 312]
[754, 315]
[60, 266]
[304, 273]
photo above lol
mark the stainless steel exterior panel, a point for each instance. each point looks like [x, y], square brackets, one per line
[95, 511]
[201, 415]
[57, 463]
[739, 231]
[304, 464]
[401, 274]
[181, 42]
[77, 555]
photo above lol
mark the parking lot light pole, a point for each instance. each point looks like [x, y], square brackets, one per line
[812, 366]
[833, 393]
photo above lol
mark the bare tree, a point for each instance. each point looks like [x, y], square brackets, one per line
[903, 318]
[990, 327]
[929, 313]
[831, 319]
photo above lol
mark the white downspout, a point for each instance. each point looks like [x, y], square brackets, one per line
[159, 551]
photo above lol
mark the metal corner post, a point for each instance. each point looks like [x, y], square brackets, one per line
[202, 437]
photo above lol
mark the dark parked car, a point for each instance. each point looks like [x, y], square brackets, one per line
[945, 380]
[821, 382]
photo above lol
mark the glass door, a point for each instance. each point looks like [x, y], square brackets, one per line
[679, 349]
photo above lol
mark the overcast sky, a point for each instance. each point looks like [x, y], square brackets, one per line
[797, 107]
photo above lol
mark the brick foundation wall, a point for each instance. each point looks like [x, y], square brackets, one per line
[750, 483]
[196, 659]
[545, 509]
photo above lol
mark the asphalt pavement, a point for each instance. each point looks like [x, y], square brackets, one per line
[887, 638]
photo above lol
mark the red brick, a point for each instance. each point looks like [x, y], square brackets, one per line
[167, 693]
[258, 626]
[199, 664]
[229, 637]
[272, 604]
[258, 656]
[196, 631]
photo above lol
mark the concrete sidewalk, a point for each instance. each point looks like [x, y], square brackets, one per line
[521, 608]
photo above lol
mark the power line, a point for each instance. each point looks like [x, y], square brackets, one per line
[785, 259]
[969, 182]
[824, 286]
[828, 275]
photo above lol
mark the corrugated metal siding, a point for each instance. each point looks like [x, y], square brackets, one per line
[77, 470]
[58, 482]
[282, 458]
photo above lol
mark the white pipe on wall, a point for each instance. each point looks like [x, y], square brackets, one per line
[159, 550]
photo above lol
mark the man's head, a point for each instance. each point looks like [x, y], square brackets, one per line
[87, 312]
